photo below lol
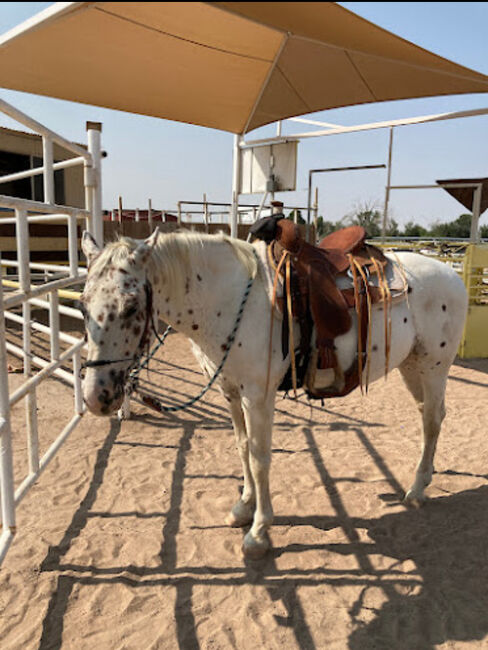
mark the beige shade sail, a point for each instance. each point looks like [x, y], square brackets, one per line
[233, 66]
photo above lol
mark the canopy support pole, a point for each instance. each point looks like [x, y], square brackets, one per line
[236, 173]
[388, 183]
[475, 235]
[93, 181]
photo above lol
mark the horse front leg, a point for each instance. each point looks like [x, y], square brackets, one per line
[258, 416]
[242, 512]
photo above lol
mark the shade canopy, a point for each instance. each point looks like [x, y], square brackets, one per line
[233, 66]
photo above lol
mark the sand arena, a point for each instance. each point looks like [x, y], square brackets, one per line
[122, 542]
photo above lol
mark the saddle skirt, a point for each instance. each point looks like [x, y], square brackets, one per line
[324, 290]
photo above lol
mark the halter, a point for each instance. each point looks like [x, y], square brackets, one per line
[143, 341]
[136, 366]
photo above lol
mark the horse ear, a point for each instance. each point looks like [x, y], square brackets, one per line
[89, 247]
[142, 252]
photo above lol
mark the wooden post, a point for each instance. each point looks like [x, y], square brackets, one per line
[316, 211]
[205, 212]
[179, 213]
[121, 228]
[150, 216]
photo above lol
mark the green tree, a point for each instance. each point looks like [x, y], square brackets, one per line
[392, 229]
[298, 214]
[413, 229]
[368, 218]
[324, 228]
[460, 228]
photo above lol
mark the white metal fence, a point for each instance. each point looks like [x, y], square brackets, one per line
[39, 285]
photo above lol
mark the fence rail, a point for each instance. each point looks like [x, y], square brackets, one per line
[29, 289]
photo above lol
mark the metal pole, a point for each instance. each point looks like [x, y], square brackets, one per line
[236, 172]
[388, 183]
[316, 210]
[309, 201]
[261, 205]
[205, 211]
[6, 467]
[48, 176]
[54, 324]
[474, 237]
[94, 179]
[23, 254]
[73, 245]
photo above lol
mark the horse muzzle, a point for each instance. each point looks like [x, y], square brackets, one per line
[103, 400]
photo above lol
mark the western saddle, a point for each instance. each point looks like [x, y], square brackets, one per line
[322, 286]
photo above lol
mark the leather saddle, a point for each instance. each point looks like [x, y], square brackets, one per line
[327, 284]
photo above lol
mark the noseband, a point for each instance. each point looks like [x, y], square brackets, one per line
[143, 341]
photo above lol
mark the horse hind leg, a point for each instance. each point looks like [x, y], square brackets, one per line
[428, 388]
[242, 512]
[413, 381]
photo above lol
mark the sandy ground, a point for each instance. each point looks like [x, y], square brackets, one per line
[122, 543]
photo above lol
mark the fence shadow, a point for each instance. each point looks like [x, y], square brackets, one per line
[449, 554]
[445, 596]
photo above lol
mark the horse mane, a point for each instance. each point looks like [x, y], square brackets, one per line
[172, 252]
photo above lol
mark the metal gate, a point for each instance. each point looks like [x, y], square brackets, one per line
[40, 285]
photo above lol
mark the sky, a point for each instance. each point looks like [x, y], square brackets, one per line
[150, 158]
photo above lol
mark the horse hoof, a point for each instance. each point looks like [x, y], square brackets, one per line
[412, 498]
[240, 515]
[255, 548]
[234, 521]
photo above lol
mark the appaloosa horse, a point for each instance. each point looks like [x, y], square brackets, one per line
[196, 283]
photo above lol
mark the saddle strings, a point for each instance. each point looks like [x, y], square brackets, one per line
[369, 337]
[387, 323]
[273, 304]
[291, 339]
[357, 306]
[383, 287]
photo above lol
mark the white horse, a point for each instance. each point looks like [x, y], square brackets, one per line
[197, 284]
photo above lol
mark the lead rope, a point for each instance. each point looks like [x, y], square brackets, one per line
[156, 404]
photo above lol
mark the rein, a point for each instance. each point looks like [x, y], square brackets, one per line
[136, 365]
[156, 404]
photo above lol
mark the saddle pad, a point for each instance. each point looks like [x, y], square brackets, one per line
[394, 275]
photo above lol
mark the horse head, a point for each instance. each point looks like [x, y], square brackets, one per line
[117, 305]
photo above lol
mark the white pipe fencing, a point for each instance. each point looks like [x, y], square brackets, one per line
[29, 294]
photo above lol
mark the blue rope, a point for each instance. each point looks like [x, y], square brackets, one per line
[155, 403]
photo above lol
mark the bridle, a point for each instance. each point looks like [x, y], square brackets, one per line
[144, 340]
[134, 369]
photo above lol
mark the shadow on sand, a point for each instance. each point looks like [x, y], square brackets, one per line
[444, 597]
